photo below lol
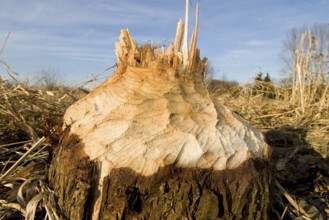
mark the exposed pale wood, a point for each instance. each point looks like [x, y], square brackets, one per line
[185, 43]
[154, 116]
[179, 36]
[170, 50]
[193, 48]
[129, 54]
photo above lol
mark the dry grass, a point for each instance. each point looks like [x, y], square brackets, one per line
[310, 75]
[29, 123]
[294, 120]
[300, 142]
[27, 116]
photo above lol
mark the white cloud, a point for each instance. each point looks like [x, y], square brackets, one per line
[260, 42]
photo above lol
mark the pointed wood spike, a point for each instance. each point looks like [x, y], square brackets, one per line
[196, 29]
[185, 44]
[170, 50]
[194, 38]
[179, 36]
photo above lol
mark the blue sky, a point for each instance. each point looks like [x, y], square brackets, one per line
[76, 38]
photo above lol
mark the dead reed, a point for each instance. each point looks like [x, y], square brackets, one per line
[295, 121]
[27, 117]
[300, 142]
[29, 122]
[310, 75]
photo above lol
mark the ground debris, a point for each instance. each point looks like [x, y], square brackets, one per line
[27, 116]
[300, 152]
[300, 149]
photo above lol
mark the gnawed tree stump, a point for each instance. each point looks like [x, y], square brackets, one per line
[150, 143]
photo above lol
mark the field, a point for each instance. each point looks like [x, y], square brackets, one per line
[293, 117]
[31, 119]
[300, 158]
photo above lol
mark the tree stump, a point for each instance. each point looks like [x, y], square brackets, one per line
[151, 143]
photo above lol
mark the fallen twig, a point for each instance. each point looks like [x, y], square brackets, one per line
[291, 200]
[12, 168]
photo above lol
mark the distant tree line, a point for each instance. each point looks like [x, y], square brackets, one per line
[218, 86]
[259, 77]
